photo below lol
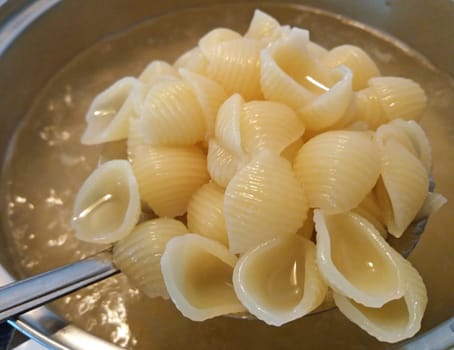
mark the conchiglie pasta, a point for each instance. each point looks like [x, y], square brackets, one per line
[206, 212]
[213, 38]
[366, 107]
[262, 201]
[108, 114]
[355, 58]
[263, 27]
[399, 97]
[107, 206]
[193, 60]
[337, 169]
[209, 94]
[139, 254]
[155, 69]
[198, 272]
[222, 165]
[171, 115]
[168, 177]
[235, 64]
[268, 125]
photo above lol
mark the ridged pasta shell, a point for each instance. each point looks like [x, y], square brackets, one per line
[228, 125]
[371, 211]
[338, 169]
[206, 212]
[169, 176]
[263, 27]
[262, 201]
[289, 73]
[154, 69]
[433, 202]
[198, 275]
[268, 125]
[107, 206]
[403, 184]
[193, 60]
[396, 320]
[210, 96]
[355, 260]
[235, 64]
[171, 115]
[222, 165]
[355, 58]
[291, 150]
[366, 107]
[215, 37]
[316, 51]
[329, 107]
[138, 255]
[278, 281]
[400, 97]
[108, 114]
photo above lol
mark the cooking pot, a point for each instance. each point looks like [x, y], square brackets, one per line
[50, 52]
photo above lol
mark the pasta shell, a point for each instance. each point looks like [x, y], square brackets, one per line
[396, 320]
[403, 184]
[139, 254]
[193, 60]
[198, 275]
[289, 74]
[263, 200]
[371, 211]
[228, 124]
[210, 96]
[169, 176]
[433, 202]
[355, 260]
[171, 115]
[108, 114]
[337, 169]
[222, 165]
[206, 212]
[155, 69]
[278, 281]
[329, 107]
[366, 107]
[316, 51]
[107, 206]
[400, 98]
[268, 125]
[235, 64]
[213, 38]
[263, 27]
[357, 60]
[291, 150]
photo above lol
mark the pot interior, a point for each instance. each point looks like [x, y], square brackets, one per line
[46, 165]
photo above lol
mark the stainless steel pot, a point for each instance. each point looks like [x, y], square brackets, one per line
[37, 39]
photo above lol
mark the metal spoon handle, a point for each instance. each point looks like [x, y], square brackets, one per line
[19, 297]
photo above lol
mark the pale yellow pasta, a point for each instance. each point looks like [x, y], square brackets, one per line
[366, 107]
[213, 38]
[396, 320]
[337, 169]
[400, 97]
[107, 206]
[171, 114]
[206, 212]
[355, 58]
[329, 107]
[268, 125]
[235, 64]
[370, 210]
[193, 60]
[263, 200]
[139, 254]
[155, 69]
[308, 229]
[221, 164]
[270, 264]
[402, 187]
[198, 272]
[289, 73]
[210, 96]
[228, 124]
[433, 202]
[291, 151]
[169, 176]
[367, 273]
[263, 27]
[315, 50]
[108, 114]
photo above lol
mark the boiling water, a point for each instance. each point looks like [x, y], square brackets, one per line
[47, 165]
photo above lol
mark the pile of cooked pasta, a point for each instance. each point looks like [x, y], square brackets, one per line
[275, 169]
